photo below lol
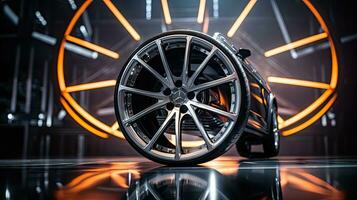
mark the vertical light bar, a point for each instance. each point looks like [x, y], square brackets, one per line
[166, 11]
[215, 8]
[201, 11]
[241, 18]
[205, 23]
[11, 14]
[148, 9]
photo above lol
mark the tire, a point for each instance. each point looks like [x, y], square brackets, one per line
[229, 140]
[271, 144]
[243, 147]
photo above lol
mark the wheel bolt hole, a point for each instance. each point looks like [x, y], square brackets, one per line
[183, 109]
[178, 83]
[170, 106]
[190, 95]
[167, 92]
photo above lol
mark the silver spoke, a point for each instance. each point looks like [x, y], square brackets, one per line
[213, 83]
[178, 186]
[161, 129]
[156, 95]
[200, 127]
[209, 108]
[152, 191]
[178, 121]
[186, 61]
[152, 71]
[165, 64]
[205, 194]
[202, 66]
[146, 111]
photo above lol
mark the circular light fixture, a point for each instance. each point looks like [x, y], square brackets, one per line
[298, 119]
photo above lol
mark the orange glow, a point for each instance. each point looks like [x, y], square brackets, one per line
[241, 18]
[116, 173]
[303, 181]
[60, 73]
[69, 98]
[90, 118]
[334, 73]
[89, 182]
[225, 167]
[119, 180]
[222, 100]
[255, 85]
[297, 82]
[186, 143]
[287, 125]
[201, 11]
[296, 44]
[307, 110]
[92, 46]
[280, 120]
[258, 98]
[312, 119]
[166, 11]
[76, 16]
[80, 121]
[90, 86]
[205, 23]
[80, 178]
[254, 123]
[333, 82]
[94, 179]
[115, 126]
[122, 20]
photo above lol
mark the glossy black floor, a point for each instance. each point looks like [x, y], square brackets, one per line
[137, 178]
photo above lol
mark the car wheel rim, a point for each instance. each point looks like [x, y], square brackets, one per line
[181, 80]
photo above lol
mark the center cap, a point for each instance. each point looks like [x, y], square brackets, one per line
[178, 97]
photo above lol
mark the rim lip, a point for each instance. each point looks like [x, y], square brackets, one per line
[233, 65]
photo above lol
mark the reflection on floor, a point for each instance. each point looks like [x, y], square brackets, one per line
[137, 178]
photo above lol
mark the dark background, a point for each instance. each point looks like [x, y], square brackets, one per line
[24, 137]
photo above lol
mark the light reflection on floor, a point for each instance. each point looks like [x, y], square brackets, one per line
[137, 178]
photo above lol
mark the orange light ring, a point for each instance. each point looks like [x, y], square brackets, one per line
[313, 119]
[317, 103]
[62, 84]
[333, 83]
[80, 121]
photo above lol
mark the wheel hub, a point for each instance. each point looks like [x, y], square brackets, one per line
[178, 97]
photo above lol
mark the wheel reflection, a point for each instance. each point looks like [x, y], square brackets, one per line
[213, 180]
